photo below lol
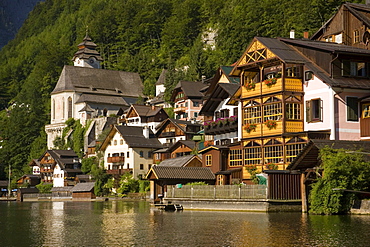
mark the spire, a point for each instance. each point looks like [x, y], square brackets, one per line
[87, 55]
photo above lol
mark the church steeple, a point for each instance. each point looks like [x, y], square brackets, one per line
[87, 55]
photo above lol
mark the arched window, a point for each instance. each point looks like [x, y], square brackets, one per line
[69, 107]
[63, 108]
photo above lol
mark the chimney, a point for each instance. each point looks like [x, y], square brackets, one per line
[146, 132]
[305, 34]
[292, 32]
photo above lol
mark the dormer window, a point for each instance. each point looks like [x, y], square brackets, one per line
[356, 69]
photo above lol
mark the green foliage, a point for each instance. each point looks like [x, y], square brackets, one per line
[170, 112]
[342, 170]
[44, 188]
[144, 186]
[128, 184]
[197, 183]
[252, 170]
[75, 138]
[101, 178]
[87, 164]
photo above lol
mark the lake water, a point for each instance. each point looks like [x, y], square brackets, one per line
[124, 223]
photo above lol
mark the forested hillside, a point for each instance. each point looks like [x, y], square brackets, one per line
[142, 36]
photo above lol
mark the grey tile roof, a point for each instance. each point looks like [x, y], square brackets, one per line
[83, 187]
[190, 88]
[103, 99]
[178, 162]
[59, 189]
[99, 81]
[193, 173]
[134, 137]
[146, 110]
[162, 77]
[63, 157]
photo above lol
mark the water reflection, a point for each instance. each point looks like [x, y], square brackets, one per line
[123, 223]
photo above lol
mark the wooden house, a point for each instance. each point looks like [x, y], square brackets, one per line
[161, 176]
[350, 25]
[221, 118]
[172, 130]
[183, 161]
[83, 191]
[182, 148]
[28, 180]
[187, 98]
[59, 167]
[144, 115]
[294, 90]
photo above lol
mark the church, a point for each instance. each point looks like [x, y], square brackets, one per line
[86, 91]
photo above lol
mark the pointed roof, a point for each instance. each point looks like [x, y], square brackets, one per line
[191, 89]
[87, 49]
[63, 158]
[145, 110]
[162, 77]
[185, 126]
[184, 173]
[133, 136]
[182, 161]
[99, 81]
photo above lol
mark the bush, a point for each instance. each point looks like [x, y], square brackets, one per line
[44, 188]
[342, 170]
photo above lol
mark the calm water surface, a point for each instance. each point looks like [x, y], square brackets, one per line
[123, 223]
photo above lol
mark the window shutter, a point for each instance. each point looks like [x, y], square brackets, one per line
[321, 110]
[308, 111]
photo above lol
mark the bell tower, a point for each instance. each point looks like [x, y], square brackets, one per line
[87, 55]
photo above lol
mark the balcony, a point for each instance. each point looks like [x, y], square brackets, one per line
[179, 109]
[168, 134]
[117, 159]
[217, 129]
[118, 171]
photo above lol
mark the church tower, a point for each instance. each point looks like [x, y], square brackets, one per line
[87, 55]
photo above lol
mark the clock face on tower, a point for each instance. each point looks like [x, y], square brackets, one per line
[91, 60]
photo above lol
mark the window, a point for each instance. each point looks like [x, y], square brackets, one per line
[208, 160]
[236, 157]
[150, 154]
[196, 104]
[115, 142]
[252, 154]
[252, 113]
[366, 111]
[141, 166]
[352, 108]
[273, 151]
[293, 111]
[69, 107]
[128, 166]
[308, 75]
[356, 36]
[293, 147]
[195, 114]
[314, 110]
[141, 153]
[293, 70]
[121, 142]
[353, 68]
[272, 109]
[128, 155]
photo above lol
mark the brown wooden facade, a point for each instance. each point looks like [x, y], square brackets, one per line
[350, 25]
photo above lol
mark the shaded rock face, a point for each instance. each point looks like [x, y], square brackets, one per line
[12, 15]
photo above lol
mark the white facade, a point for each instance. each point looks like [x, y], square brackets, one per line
[138, 160]
[58, 177]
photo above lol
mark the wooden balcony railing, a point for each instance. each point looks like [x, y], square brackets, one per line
[118, 171]
[117, 159]
[221, 128]
[179, 109]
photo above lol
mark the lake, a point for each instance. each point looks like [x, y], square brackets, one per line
[136, 223]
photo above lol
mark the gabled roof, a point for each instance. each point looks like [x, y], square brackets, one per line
[181, 173]
[191, 89]
[221, 92]
[84, 187]
[99, 81]
[188, 143]
[309, 156]
[183, 125]
[214, 147]
[62, 157]
[145, 110]
[182, 161]
[102, 99]
[134, 137]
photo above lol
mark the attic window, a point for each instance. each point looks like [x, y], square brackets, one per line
[356, 36]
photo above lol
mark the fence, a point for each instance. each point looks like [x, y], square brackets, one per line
[217, 192]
